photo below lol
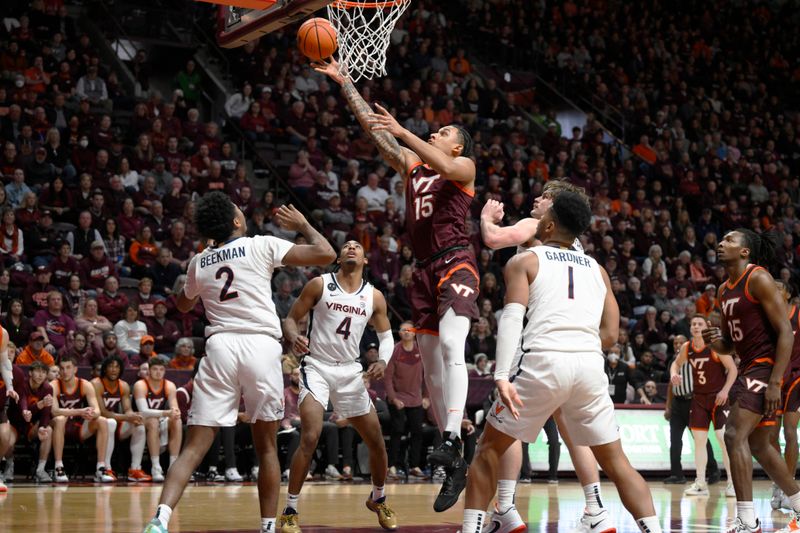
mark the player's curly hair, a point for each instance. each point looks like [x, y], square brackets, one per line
[572, 213]
[214, 217]
[107, 362]
[466, 141]
[762, 247]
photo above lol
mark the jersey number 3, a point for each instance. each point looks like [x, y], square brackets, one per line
[226, 294]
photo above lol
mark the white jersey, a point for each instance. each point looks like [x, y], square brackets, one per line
[234, 282]
[338, 321]
[565, 304]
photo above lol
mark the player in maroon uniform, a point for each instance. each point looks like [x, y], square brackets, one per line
[76, 416]
[157, 403]
[30, 416]
[114, 398]
[439, 178]
[755, 324]
[713, 376]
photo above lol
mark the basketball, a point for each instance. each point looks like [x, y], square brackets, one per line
[316, 38]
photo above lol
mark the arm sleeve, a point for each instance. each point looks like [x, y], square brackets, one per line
[145, 411]
[385, 345]
[509, 333]
[8, 377]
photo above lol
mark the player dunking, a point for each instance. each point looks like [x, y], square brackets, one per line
[341, 304]
[233, 278]
[439, 179]
[506, 518]
[755, 324]
[567, 296]
[713, 376]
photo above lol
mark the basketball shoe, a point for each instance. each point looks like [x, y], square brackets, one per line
[595, 523]
[386, 517]
[454, 483]
[730, 492]
[793, 525]
[155, 526]
[777, 497]
[157, 474]
[138, 475]
[508, 522]
[103, 475]
[290, 521]
[3, 488]
[740, 527]
[698, 488]
[60, 475]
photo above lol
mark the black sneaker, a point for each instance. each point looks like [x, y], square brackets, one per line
[675, 480]
[454, 484]
[448, 454]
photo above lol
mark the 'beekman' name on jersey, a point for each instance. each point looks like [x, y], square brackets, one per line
[581, 260]
[350, 309]
[226, 254]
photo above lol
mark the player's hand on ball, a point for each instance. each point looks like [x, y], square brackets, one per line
[384, 121]
[13, 395]
[492, 211]
[290, 218]
[300, 345]
[376, 370]
[772, 399]
[508, 395]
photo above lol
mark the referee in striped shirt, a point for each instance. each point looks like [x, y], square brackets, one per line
[679, 400]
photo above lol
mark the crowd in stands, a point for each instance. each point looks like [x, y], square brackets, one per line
[96, 210]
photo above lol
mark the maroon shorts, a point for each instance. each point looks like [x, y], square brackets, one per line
[72, 430]
[704, 411]
[791, 393]
[448, 282]
[26, 430]
[749, 389]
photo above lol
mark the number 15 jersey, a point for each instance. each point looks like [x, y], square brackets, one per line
[338, 321]
[565, 303]
[234, 281]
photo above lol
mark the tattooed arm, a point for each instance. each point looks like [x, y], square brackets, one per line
[396, 156]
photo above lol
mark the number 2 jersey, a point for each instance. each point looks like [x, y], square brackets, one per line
[565, 304]
[234, 281]
[338, 321]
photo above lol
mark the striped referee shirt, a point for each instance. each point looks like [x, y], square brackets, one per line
[686, 386]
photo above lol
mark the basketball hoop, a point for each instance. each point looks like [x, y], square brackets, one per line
[363, 30]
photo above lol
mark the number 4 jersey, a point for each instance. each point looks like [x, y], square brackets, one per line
[234, 281]
[338, 320]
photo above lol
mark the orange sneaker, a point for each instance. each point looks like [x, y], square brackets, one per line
[138, 475]
[111, 473]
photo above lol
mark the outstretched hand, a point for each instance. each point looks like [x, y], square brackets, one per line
[492, 211]
[331, 69]
[384, 121]
[290, 218]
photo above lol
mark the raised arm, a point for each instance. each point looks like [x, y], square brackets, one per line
[396, 156]
[318, 252]
[308, 298]
[609, 322]
[497, 237]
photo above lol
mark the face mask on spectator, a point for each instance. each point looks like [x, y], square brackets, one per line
[612, 358]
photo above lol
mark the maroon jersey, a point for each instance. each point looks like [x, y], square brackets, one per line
[28, 397]
[708, 373]
[436, 212]
[157, 398]
[74, 399]
[748, 326]
[112, 396]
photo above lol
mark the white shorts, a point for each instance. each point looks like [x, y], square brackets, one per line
[238, 365]
[342, 384]
[575, 383]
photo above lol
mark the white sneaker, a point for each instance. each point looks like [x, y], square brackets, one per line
[60, 475]
[785, 503]
[254, 473]
[392, 473]
[597, 523]
[231, 474]
[777, 496]
[42, 477]
[730, 492]
[8, 471]
[102, 476]
[740, 527]
[157, 474]
[508, 522]
[698, 488]
[792, 526]
[3, 488]
[214, 475]
[332, 472]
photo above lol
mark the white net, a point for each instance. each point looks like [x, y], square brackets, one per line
[363, 30]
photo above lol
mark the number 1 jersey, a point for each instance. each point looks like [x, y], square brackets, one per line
[338, 321]
[235, 283]
[565, 303]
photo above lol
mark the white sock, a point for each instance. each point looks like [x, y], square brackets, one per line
[505, 494]
[163, 514]
[592, 494]
[172, 459]
[649, 524]
[100, 465]
[745, 511]
[795, 501]
[40, 466]
[59, 464]
[453, 332]
[474, 520]
[138, 440]
[291, 501]
[377, 493]
[112, 435]
[155, 462]
[267, 525]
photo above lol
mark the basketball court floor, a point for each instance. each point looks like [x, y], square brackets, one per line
[339, 507]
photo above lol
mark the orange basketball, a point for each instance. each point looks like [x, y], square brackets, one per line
[316, 38]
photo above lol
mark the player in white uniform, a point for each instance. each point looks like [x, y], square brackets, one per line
[506, 518]
[341, 304]
[572, 314]
[243, 353]
[6, 439]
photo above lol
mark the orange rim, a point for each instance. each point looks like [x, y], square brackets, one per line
[344, 4]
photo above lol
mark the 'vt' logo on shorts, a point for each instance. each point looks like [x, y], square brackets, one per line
[462, 290]
[755, 385]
